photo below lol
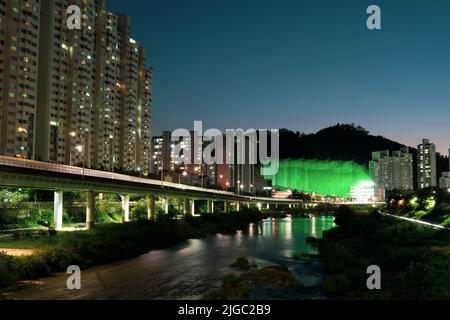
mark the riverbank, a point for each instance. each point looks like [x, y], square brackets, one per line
[414, 259]
[109, 243]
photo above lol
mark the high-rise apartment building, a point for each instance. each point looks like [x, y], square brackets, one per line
[79, 96]
[427, 169]
[106, 89]
[393, 171]
[66, 84]
[19, 54]
[144, 114]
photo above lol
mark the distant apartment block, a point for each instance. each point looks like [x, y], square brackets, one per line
[427, 169]
[242, 178]
[393, 171]
[444, 181]
[73, 96]
[162, 152]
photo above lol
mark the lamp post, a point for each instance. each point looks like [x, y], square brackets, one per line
[140, 171]
[73, 134]
[179, 176]
[80, 149]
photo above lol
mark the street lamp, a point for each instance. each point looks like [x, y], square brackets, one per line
[73, 134]
[140, 171]
[179, 176]
[80, 149]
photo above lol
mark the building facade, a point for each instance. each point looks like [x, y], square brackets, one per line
[393, 171]
[19, 55]
[427, 169]
[76, 97]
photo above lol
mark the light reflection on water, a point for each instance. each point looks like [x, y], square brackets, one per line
[189, 270]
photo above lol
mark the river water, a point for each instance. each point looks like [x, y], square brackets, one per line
[193, 268]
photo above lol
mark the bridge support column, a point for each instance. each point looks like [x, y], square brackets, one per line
[268, 206]
[90, 210]
[210, 206]
[151, 208]
[126, 208]
[165, 203]
[58, 210]
[226, 207]
[238, 206]
[186, 206]
[193, 207]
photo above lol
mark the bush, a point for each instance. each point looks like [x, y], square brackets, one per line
[343, 216]
[8, 270]
[32, 267]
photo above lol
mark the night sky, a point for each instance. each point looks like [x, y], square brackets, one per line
[300, 64]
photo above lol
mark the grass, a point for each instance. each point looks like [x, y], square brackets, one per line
[110, 242]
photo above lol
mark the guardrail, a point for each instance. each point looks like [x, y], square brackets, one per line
[424, 223]
[59, 168]
[85, 172]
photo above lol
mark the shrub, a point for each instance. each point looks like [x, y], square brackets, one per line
[8, 270]
[343, 216]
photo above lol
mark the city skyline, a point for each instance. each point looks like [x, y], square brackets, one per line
[265, 65]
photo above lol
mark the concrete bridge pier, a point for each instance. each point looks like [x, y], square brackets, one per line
[90, 210]
[186, 206]
[193, 207]
[151, 208]
[226, 207]
[58, 210]
[210, 206]
[238, 206]
[126, 208]
[165, 205]
[268, 206]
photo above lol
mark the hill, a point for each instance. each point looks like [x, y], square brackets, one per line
[346, 142]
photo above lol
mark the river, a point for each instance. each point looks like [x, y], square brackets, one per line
[190, 269]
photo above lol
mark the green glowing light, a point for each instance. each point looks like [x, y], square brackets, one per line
[332, 178]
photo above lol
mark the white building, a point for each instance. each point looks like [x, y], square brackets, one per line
[393, 171]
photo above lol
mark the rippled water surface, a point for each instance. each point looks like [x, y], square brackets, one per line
[189, 270]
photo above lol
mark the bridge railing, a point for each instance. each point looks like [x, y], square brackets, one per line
[59, 168]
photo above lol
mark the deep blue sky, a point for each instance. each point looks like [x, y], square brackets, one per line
[298, 64]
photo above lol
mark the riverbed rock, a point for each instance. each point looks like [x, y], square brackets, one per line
[312, 240]
[241, 287]
[241, 263]
[279, 276]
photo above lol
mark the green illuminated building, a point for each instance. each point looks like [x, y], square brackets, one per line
[332, 178]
